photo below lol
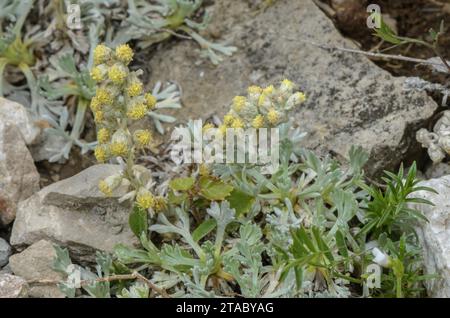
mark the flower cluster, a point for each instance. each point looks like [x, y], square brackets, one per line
[262, 107]
[119, 101]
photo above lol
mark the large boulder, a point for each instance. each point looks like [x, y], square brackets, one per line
[13, 286]
[19, 178]
[435, 235]
[35, 264]
[75, 214]
[350, 100]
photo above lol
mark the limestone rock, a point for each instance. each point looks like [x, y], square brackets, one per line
[35, 264]
[435, 235]
[350, 100]
[74, 213]
[13, 286]
[437, 170]
[14, 113]
[19, 178]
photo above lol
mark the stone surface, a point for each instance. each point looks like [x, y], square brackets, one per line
[19, 178]
[14, 113]
[435, 235]
[13, 286]
[35, 264]
[5, 252]
[350, 100]
[74, 213]
[437, 170]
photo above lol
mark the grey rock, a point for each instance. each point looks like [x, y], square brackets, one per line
[350, 100]
[35, 264]
[13, 286]
[75, 214]
[47, 146]
[14, 113]
[437, 170]
[5, 252]
[19, 178]
[6, 270]
[435, 235]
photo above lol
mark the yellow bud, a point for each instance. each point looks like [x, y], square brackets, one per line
[97, 74]
[237, 123]
[117, 74]
[142, 137]
[103, 96]
[134, 89]
[103, 135]
[145, 199]
[99, 116]
[253, 90]
[228, 119]
[258, 121]
[137, 111]
[268, 90]
[104, 188]
[239, 103]
[124, 53]
[119, 149]
[150, 101]
[95, 103]
[273, 116]
[101, 54]
[101, 153]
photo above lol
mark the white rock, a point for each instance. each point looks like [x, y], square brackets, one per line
[437, 170]
[13, 286]
[35, 264]
[435, 235]
[74, 213]
[19, 178]
[14, 113]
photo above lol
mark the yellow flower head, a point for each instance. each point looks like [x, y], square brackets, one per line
[142, 137]
[237, 123]
[239, 103]
[105, 188]
[287, 84]
[145, 199]
[117, 74]
[228, 119]
[268, 90]
[124, 53]
[258, 121]
[101, 153]
[301, 97]
[101, 54]
[99, 116]
[273, 116]
[134, 88]
[254, 90]
[103, 135]
[119, 149]
[150, 101]
[95, 103]
[97, 74]
[103, 96]
[137, 111]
